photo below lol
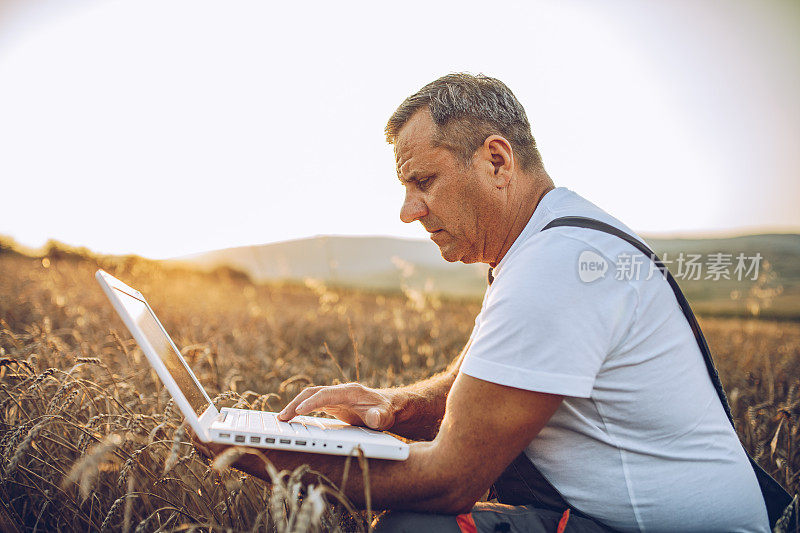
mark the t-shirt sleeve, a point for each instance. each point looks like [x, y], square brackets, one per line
[542, 328]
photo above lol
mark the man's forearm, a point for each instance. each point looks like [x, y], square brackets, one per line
[409, 484]
[421, 405]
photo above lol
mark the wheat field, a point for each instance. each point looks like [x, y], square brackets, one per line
[90, 440]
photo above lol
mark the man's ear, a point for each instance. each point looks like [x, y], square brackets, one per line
[500, 155]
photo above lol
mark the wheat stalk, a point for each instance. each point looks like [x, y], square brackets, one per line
[177, 441]
[85, 471]
[308, 517]
[21, 450]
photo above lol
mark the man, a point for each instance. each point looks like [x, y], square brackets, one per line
[595, 390]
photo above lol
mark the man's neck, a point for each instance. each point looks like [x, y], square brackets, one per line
[522, 213]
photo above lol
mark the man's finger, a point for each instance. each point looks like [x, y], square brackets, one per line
[288, 412]
[377, 418]
[327, 397]
[205, 448]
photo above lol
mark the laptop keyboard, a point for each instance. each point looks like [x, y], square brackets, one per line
[303, 433]
[263, 422]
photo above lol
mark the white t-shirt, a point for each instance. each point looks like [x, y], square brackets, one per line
[641, 441]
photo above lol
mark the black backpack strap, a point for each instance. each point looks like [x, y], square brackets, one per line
[776, 498]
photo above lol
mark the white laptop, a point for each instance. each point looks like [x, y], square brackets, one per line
[243, 427]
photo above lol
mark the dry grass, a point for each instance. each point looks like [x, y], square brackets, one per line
[90, 440]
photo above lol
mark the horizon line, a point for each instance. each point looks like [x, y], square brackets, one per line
[658, 235]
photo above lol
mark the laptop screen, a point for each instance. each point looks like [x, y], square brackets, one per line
[163, 346]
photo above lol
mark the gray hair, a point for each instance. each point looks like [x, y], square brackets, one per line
[467, 109]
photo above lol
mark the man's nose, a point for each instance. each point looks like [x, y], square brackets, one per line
[413, 208]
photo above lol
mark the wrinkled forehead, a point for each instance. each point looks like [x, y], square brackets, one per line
[413, 143]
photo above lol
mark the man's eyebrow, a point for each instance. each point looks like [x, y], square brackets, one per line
[411, 178]
[414, 175]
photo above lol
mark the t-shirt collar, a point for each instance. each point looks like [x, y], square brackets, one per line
[538, 220]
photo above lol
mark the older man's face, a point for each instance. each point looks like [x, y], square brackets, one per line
[448, 200]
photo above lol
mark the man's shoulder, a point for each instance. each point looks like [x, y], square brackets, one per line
[567, 258]
[571, 204]
[564, 267]
[562, 246]
[563, 239]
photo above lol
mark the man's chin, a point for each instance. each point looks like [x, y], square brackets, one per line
[452, 254]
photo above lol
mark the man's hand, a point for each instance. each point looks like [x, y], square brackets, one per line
[209, 450]
[414, 411]
[352, 403]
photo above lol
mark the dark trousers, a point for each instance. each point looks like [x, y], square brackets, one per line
[527, 503]
[484, 517]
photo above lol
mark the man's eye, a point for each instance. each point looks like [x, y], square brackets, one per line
[424, 183]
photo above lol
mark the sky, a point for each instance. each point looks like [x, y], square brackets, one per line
[169, 127]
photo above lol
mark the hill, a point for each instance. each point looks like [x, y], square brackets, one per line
[774, 293]
[382, 263]
[387, 263]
